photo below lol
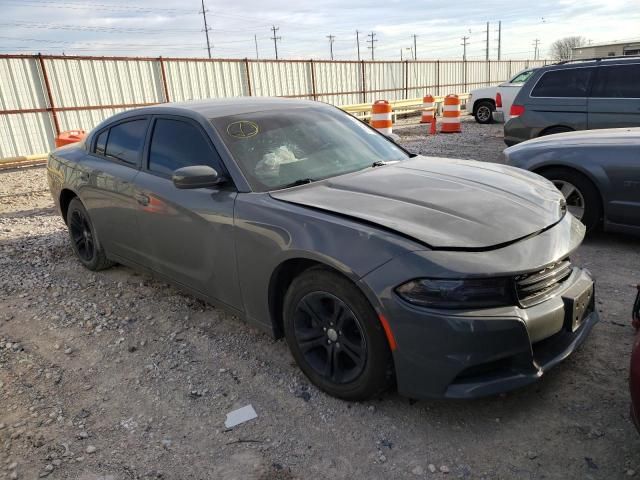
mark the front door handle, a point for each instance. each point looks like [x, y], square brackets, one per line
[142, 199]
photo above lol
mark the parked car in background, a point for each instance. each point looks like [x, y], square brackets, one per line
[634, 368]
[598, 172]
[446, 278]
[506, 94]
[576, 95]
[482, 101]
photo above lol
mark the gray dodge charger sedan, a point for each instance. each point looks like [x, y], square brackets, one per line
[447, 278]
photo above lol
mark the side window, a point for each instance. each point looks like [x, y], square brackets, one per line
[101, 142]
[617, 81]
[572, 82]
[176, 144]
[522, 77]
[126, 140]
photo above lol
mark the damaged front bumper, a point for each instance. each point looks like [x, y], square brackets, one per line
[472, 353]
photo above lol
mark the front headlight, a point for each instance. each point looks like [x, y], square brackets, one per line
[467, 293]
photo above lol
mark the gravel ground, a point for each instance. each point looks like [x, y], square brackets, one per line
[116, 375]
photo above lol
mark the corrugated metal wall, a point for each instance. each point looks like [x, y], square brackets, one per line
[40, 96]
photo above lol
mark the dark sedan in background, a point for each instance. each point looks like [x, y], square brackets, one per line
[452, 278]
[597, 171]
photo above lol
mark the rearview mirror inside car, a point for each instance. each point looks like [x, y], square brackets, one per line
[197, 176]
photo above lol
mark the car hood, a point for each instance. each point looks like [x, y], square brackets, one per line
[443, 203]
[608, 136]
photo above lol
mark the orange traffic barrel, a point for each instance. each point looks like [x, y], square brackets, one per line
[70, 136]
[451, 115]
[381, 118]
[428, 111]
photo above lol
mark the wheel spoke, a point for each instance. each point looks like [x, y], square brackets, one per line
[352, 350]
[306, 307]
[311, 344]
[567, 190]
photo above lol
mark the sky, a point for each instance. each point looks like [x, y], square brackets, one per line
[174, 28]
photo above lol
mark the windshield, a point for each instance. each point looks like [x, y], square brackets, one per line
[280, 148]
[522, 77]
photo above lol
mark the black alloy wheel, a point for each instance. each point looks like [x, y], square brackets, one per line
[83, 237]
[336, 336]
[330, 337]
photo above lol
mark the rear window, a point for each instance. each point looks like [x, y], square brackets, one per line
[617, 81]
[572, 82]
[126, 140]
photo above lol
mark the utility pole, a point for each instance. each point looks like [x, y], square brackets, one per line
[536, 42]
[464, 51]
[331, 40]
[358, 43]
[255, 39]
[206, 27]
[371, 40]
[415, 48]
[486, 51]
[275, 39]
[401, 59]
[499, 40]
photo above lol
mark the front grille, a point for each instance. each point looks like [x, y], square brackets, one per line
[534, 287]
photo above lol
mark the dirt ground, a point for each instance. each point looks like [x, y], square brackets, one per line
[116, 375]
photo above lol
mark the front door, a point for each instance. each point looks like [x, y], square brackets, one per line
[187, 233]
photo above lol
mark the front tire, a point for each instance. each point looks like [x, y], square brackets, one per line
[83, 238]
[335, 336]
[583, 199]
[484, 113]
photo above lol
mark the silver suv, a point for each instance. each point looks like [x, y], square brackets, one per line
[576, 95]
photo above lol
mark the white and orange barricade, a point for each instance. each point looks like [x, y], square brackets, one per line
[381, 117]
[450, 121]
[428, 110]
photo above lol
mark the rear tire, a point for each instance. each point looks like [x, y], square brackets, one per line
[484, 112]
[579, 192]
[335, 336]
[83, 238]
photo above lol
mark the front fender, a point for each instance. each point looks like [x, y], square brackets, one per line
[269, 232]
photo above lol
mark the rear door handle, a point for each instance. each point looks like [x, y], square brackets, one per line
[142, 199]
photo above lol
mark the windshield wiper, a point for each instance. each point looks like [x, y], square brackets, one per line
[301, 181]
[378, 163]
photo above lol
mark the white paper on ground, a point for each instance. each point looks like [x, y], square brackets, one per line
[239, 416]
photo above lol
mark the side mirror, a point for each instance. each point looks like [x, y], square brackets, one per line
[197, 176]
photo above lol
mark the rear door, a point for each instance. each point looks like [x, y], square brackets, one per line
[615, 97]
[187, 234]
[559, 98]
[107, 190]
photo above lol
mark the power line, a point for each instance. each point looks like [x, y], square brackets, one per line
[206, 27]
[371, 40]
[275, 39]
[331, 40]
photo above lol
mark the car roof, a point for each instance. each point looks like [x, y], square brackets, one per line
[592, 62]
[214, 108]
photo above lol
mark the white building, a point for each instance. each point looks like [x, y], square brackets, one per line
[599, 50]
